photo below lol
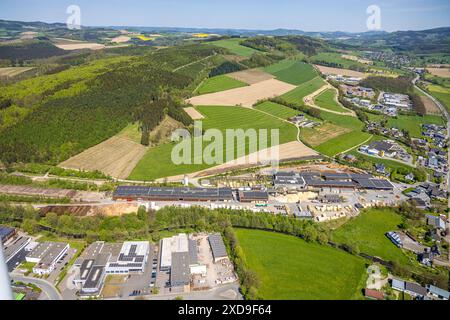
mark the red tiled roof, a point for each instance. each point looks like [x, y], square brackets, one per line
[374, 294]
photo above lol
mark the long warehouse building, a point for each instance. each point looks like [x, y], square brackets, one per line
[132, 193]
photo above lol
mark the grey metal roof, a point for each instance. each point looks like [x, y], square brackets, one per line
[379, 184]
[169, 192]
[193, 258]
[179, 272]
[94, 279]
[254, 194]
[415, 288]
[5, 232]
[438, 291]
[217, 246]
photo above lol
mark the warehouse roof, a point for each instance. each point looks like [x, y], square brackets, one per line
[379, 184]
[253, 195]
[180, 273]
[5, 232]
[193, 258]
[217, 246]
[169, 192]
[93, 281]
[47, 252]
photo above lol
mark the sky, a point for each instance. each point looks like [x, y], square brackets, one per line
[307, 15]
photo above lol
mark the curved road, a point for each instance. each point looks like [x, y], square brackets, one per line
[46, 286]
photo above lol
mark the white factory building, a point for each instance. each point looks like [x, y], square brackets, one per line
[178, 243]
[46, 255]
[131, 259]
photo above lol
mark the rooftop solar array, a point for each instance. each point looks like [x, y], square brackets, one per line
[173, 193]
[254, 194]
[217, 246]
[193, 257]
[5, 232]
[377, 184]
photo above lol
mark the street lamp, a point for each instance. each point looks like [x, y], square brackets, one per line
[5, 282]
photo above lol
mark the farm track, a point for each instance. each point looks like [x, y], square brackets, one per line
[309, 101]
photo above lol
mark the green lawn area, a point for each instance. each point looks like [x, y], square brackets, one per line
[297, 95]
[367, 232]
[292, 71]
[327, 100]
[234, 46]
[346, 141]
[332, 57]
[413, 124]
[277, 110]
[292, 269]
[342, 143]
[219, 83]
[441, 93]
[157, 162]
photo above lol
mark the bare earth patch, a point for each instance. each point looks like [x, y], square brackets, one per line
[343, 72]
[116, 157]
[358, 59]
[193, 113]
[323, 133]
[251, 76]
[245, 96]
[440, 72]
[13, 71]
[80, 46]
[121, 39]
[430, 106]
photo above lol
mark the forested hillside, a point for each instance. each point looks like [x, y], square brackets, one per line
[66, 113]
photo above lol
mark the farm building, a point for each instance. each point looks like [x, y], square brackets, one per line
[217, 247]
[131, 193]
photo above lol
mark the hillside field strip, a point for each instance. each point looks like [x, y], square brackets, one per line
[251, 76]
[218, 84]
[245, 96]
[440, 72]
[290, 268]
[342, 72]
[11, 72]
[193, 113]
[235, 47]
[328, 100]
[116, 157]
[157, 162]
[292, 71]
[303, 90]
[277, 110]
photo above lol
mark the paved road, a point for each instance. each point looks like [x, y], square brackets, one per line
[46, 286]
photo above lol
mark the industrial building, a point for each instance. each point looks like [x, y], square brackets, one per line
[6, 233]
[180, 275]
[333, 180]
[178, 243]
[132, 258]
[46, 255]
[217, 247]
[92, 267]
[15, 247]
[253, 196]
[132, 193]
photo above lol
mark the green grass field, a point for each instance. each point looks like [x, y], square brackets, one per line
[219, 83]
[327, 100]
[441, 93]
[157, 162]
[290, 268]
[332, 57]
[234, 46]
[292, 71]
[297, 95]
[277, 110]
[367, 232]
[342, 143]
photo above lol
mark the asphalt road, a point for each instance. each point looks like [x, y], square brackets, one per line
[46, 286]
